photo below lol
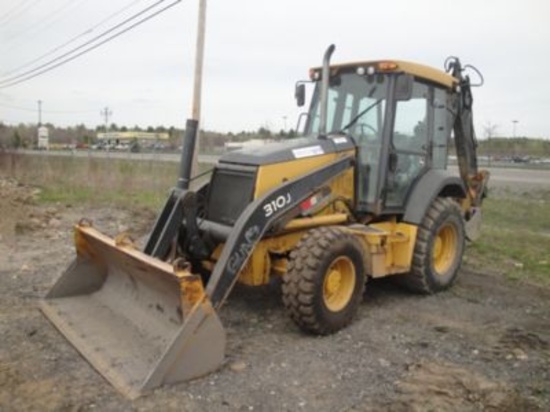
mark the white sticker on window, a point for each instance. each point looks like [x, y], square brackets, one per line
[339, 140]
[307, 151]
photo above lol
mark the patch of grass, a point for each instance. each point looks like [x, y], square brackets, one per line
[67, 196]
[515, 240]
[94, 181]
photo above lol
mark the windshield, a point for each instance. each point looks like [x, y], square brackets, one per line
[355, 106]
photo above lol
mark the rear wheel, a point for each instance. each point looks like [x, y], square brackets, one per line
[438, 250]
[325, 280]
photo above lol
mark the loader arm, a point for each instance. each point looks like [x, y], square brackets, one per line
[257, 218]
[167, 225]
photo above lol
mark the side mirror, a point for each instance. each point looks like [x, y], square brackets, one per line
[300, 94]
[404, 87]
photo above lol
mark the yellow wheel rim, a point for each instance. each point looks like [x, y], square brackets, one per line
[339, 284]
[444, 249]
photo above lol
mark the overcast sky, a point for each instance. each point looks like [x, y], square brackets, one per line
[255, 52]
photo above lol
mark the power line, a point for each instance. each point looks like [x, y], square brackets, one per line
[16, 11]
[45, 22]
[3, 86]
[29, 73]
[73, 39]
[12, 10]
[13, 78]
[28, 109]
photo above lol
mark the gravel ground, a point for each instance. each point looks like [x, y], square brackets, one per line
[483, 345]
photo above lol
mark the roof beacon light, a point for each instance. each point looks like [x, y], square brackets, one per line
[387, 66]
[314, 74]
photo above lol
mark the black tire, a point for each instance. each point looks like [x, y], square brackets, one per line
[325, 280]
[438, 250]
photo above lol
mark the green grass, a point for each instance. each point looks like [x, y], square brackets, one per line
[515, 239]
[94, 181]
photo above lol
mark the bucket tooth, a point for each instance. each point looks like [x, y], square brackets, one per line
[139, 321]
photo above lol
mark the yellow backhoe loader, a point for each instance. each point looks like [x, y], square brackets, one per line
[365, 193]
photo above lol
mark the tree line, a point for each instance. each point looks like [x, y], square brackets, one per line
[514, 146]
[25, 135]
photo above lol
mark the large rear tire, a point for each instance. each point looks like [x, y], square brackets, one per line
[438, 250]
[325, 280]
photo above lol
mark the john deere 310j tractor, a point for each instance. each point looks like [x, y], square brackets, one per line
[364, 194]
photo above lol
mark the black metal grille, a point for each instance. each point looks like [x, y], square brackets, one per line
[230, 192]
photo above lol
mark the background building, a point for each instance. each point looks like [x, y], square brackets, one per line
[43, 138]
[125, 140]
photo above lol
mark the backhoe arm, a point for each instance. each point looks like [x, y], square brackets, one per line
[464, 135]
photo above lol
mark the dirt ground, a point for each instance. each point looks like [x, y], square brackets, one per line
[483, 345]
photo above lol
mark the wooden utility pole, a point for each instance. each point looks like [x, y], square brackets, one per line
[190, 148]
[39, 113]
[197, 85]
[199, 58]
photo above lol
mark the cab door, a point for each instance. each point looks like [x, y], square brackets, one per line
[418, 141]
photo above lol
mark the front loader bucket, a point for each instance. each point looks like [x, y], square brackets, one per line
[140, 322]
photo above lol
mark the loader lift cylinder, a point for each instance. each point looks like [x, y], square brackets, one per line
[187, 153]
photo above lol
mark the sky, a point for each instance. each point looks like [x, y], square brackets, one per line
[257, 50]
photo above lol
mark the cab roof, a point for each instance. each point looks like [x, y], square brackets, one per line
[399, 66]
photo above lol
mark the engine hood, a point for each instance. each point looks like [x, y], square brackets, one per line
[287, 150]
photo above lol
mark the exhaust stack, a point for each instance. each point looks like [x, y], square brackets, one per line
[324, 91]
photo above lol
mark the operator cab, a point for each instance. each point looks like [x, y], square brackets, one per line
[398, 115]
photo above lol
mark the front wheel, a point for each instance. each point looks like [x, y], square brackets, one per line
[324, 284]
[439, 248]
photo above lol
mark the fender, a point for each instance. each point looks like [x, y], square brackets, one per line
[432, 184]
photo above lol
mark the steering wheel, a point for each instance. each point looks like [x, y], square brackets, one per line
[368, 134]
[367, 126]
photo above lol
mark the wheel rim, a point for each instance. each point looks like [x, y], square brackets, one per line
[444, 249]
[339, 284]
